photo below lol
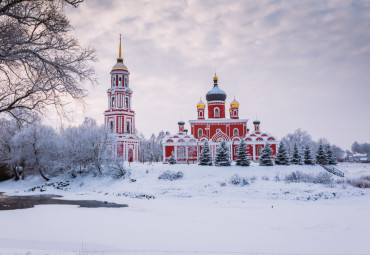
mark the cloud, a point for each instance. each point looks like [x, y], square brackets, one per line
[297, 64]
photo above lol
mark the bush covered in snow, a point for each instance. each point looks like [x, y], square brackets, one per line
[237, 180]
[363, 182]
[171, 176]
[298, 176]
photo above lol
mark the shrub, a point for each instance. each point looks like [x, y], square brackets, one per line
[265, 178]
[237, 180]
[297, 176]
[171, 176]
[363, 182]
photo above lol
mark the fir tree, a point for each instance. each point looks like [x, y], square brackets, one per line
[330, 157]
[222, 155]
[282, 157]
[321, 157]
[242, 159]
[308, 160]
[297, 158]
[266, 158]
[172, 159]
[205, 157]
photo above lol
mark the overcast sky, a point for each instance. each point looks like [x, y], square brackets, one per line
[293, 64]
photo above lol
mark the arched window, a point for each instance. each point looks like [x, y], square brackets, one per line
[217, 112]
[128, 127]
[236, 150]
[111, 125]
[236, 131]
[120, 81]
[218, 130]
[113, 102]
[200, 133]
[114, 81]
[126, 82]
[126, 103]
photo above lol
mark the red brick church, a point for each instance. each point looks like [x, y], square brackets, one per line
[216, 128]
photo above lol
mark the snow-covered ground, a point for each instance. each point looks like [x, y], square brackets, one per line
[202, 213]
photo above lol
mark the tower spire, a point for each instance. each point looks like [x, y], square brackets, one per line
[120, 59]
[120, 55]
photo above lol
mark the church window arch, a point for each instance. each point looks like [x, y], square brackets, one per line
[126, 82]
[127, 103]
[217, 112]
[236, 131]
[113, 102]
[259, 150]
[111, 125]
[200, 132]
[114, 81]
[119, 81]
[128, 129]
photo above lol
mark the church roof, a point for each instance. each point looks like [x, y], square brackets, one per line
[216, 94]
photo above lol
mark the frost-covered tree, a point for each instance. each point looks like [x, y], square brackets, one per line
[321, 157]
[222, 155]
[242, 159]
[36, 147]
[266, 157]
[41, 63]
[8, 129]
[296, 158]
[172, 160]
[282, 157]
[330, 157]
[308, 160]
[299, 137]
[205, 158]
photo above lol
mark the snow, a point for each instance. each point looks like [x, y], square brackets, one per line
[202, 213]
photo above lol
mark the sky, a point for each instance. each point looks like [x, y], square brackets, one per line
[291, 64]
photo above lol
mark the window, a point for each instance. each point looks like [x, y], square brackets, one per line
[236, 131]
[120, 81]
[200, 133]
[128, 127]
[113, 102]
[217, 112]
[111, 125]
[236, 150]
[126, 103]
[114, 82]
[126, 82]
[218, 130]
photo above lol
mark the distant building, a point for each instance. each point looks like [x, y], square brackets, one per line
[216, 128]
[120, 117]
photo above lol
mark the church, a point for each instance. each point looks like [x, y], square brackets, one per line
[119, 118]
[187, 148]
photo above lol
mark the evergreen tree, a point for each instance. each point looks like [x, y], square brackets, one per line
[266, 158]
[297, 158]
[308, 160]
[330, 157]
[172, 159]
[205, 157]
[321, 157]
[242, 159]
[222, 155]
[282, 157]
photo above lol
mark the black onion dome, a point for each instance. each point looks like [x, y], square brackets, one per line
[216, 94]
[256, 122]
[181, 123]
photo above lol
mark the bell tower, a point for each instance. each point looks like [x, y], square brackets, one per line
[120, 116]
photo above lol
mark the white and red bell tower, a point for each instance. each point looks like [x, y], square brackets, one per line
[120, 117]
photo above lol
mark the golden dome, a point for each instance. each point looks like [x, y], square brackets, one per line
[201, 105]
[234, 103]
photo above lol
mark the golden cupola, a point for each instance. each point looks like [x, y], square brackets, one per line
[201, 104]
[234, 103]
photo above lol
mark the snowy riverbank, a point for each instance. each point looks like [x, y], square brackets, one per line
[202, 213]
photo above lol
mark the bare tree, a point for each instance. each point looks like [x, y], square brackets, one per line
[41, 65]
